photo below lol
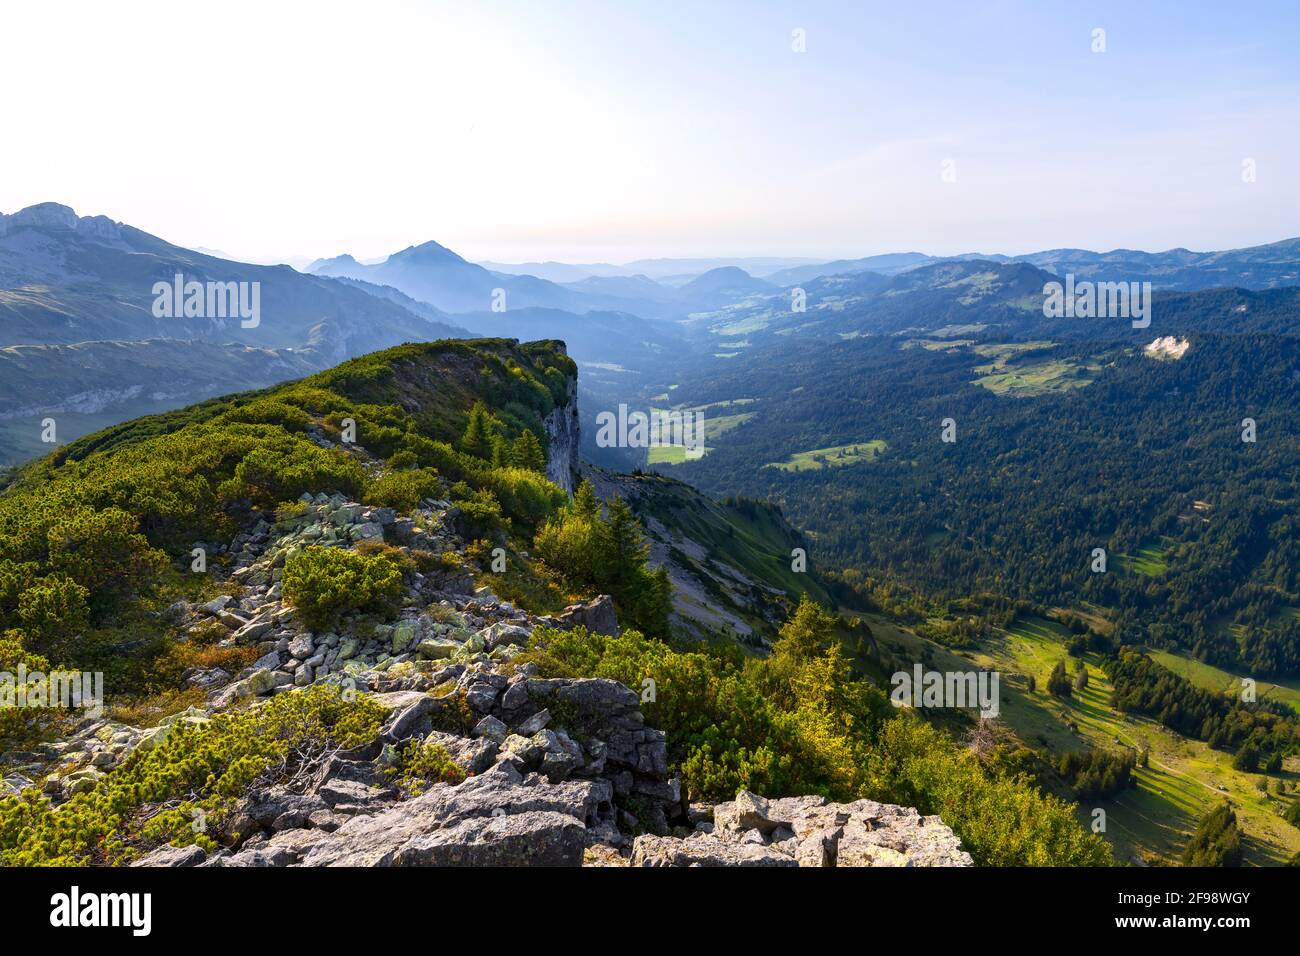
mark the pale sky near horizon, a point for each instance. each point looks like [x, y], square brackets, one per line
[611, 131]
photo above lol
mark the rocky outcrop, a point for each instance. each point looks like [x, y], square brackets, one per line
[805, 831]
[499, 818]
[597, 616]
[52, 215]
[562, 430]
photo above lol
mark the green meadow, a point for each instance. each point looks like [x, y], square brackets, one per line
[837, 456]
[1151, 560]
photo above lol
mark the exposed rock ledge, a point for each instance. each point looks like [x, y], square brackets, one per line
[806, 831]
[502, 818]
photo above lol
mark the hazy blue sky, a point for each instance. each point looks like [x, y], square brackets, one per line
[614, 130]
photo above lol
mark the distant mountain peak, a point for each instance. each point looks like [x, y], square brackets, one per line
[324, 265]
[426, 251]
[725, 277]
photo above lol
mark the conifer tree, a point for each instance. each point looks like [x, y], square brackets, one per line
[623, 550]
[477, 439]
[585, 504]
[526, 452]
[1216, 841]
[1058, 682]
[501, 454]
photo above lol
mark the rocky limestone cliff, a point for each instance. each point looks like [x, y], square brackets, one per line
[562, 431]
[52, 215]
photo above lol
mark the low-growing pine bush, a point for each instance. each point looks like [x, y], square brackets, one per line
[324, 583]
[202, 768]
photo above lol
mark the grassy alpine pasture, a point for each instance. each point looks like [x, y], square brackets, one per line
[837, 456]
[1013, 373]
[714, 425]
[1148, 825]
[1151, 560]
[1226, 682]
[1025, 381]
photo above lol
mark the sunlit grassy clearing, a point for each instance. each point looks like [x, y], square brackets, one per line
[1223, 681]
[836, 456]
[1150, 560]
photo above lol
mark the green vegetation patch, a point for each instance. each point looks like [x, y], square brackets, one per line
[193, 768]
[98, 533]
[837, 456]
[1224, 681]
[1151, 560]
[799, 722]
[1026, 381]
[322, 583]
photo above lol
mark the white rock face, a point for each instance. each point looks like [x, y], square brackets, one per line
[1167, 347]
[46, 215]
[562, 430]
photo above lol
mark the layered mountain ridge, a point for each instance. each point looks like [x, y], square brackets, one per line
[81, 338]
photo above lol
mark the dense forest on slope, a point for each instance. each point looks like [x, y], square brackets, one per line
[1117, 450]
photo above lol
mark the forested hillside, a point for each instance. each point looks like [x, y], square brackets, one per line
[1059, 449]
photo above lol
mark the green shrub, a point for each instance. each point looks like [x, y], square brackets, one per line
[18, 725]
[323, 583]
[15, 578]
[480, 514]
[270, 412]
[402, 460]
[101, 551]
[198, 766]
[404, 490]
[524, 495]
[439, 456]
[54, 612]
[273, 474]
[421, 764]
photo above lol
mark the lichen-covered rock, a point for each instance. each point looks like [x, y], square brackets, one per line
[702, 849]
[173, 856]
[472, 823]
[806, 831]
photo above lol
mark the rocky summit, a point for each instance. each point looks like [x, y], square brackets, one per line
[546, 763]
